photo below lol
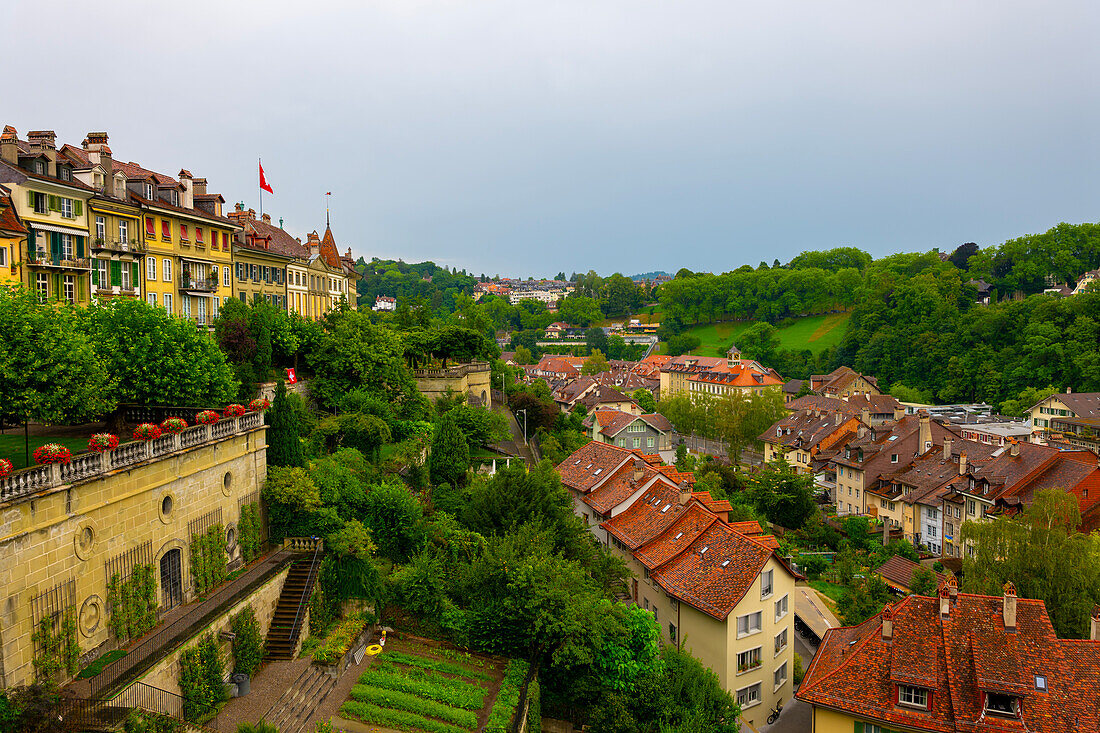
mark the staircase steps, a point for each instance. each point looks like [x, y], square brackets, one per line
[281, 638]
[292, 712]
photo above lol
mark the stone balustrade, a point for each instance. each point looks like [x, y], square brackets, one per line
[84, 466]
[302, 544]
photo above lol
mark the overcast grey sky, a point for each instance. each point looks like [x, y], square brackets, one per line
[526, 138]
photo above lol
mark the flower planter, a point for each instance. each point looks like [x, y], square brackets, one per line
[207, 417]
[173, 425]
[259, 404]
[5, 467]
[146, 431]
[233, 410]
[52, 453]
[102, 442]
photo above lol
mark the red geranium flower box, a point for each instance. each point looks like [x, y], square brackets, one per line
[5, 467]
[259, 404]
[233, 410]
[102, 441]
[146, 431]
[173, 425]
[207, 417]
[52, 453]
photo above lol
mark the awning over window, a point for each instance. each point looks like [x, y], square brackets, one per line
[55, 228]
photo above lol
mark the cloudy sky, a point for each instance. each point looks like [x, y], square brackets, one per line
[525, 138]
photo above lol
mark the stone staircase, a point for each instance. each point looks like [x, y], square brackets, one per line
[282, 636]
[291, 712]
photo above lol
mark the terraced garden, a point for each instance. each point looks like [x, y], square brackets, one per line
[418, 688]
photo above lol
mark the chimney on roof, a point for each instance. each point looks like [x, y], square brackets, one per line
[95, 145]
[925, 433]
[9, 146]
[639, 469]
[187, 199]
[962, 463]
[685, 492]
[952, 586]
[899, 412]
[1069, 390]
[266, 218]
[1009, 612]
[199, 186]
[887, 623]
[1094, 626]
[865, 415]
[837, 417]
[1014, 450]
[945, 601]
[314, 243]
[947, 443]
[45, 141]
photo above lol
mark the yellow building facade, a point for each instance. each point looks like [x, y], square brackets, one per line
[12, 237]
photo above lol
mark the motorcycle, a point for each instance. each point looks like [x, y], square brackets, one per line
[774, 715]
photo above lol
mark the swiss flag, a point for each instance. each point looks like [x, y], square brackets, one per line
[263, 181]
[291, 376]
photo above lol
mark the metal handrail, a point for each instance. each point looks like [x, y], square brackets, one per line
[83, 712]
[294, 630]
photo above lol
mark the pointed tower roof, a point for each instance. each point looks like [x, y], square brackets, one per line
[329, 253]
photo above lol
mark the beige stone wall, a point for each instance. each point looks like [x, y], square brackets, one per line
[166, 673]
[474, 384]
[69, 532]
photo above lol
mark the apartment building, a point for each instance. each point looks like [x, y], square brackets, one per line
[715, 588]
[715, 376]
[1070, 404]
[802, 437]
[648, 433]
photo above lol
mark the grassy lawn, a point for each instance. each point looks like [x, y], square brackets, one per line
[830, 591]
[815, 333]
[11, 445]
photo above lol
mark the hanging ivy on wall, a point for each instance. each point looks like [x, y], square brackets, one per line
[57, 648]
[201, 678]
[249, 527]
[208, 559]
[248, 644]
[133, 602]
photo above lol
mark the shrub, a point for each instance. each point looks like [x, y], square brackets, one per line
[173, 425]
[52, 453]
[342, 637]
[799, 672]
[146, 431]
[249, 529]
[233, 410]
[201, 677]
[102, 441]
[248, 645]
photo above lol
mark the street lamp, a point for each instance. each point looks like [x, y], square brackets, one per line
[524, 411]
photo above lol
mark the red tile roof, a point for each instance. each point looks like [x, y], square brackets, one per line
[958, 658]
[9, 219]
[898, 572]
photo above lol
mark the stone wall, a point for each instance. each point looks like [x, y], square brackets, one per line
[166, 673]
[58, 539]
[472, 380]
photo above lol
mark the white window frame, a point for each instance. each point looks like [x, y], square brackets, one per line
[168, 302]
[780, 648]
[68, 286]
[758, 657]
[127, 273]
[225, 276]
[767, 584]
[42, 285]
[67, 208]
[123, 231]
[781, 670]
[66, 246]
[751, 690]
[782, 608]
[153, 299]
[151, 268]
[3, 256]
[914, 697]
[103, 268]
[167, 270]
[749, 629]
[100, 228]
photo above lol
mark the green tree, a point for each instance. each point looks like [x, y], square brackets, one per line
[596, 363]
[284, 442]
[578, 310]
[923, 581]
[523, 355]
[1044, 555]
[450, 456]
[864, 598]
[645, 400]
[784, 496]
[395, 519]
[157, 359]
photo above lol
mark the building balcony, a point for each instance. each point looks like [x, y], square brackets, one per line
[118, 245]
[42, 259]
[198, 285]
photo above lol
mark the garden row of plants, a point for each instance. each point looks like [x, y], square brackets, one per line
[100, 442]
[504, 707]
[413, 692]
[341, 637]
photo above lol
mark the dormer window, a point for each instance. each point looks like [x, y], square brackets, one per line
[149, 191]
[40, 167]
[1003, 705]
[174, 197]
[120, 187]
[914, 697]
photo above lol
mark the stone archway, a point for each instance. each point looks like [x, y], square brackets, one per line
[170, 565]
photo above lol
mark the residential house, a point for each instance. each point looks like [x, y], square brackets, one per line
[871, 409]
[260, 259]
[12, 236]
[555, 330]
[187, 242]
[714, 376]
[995, 433]
[984, 291]
[1085, 281]
[798, 438]
[385, 303]
[1070, 404]
[1079, 432]
[650, 433]
[607, 398]
[552, 367]
[52, 205]
[717, 589]
[844, 382]
[332, 276]
[116, 245]
[568, 392]
[958, 662]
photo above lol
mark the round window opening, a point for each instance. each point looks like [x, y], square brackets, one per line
[227, 480]
[166, 505]
[87, 537]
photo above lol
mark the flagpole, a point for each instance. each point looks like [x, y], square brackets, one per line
[261, 188]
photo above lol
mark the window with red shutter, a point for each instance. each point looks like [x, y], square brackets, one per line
[150, 226]
[165, 229]
[183, 232]
[225, 241]
[198, 234]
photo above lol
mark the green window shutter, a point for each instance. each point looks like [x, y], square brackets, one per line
[134, 271]
[79, 247]
[95, 272]
[858, 727]
[116, 272]
[78, 207]
[57, 293]
[55, 202]
[55, 247]
[30, 199]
